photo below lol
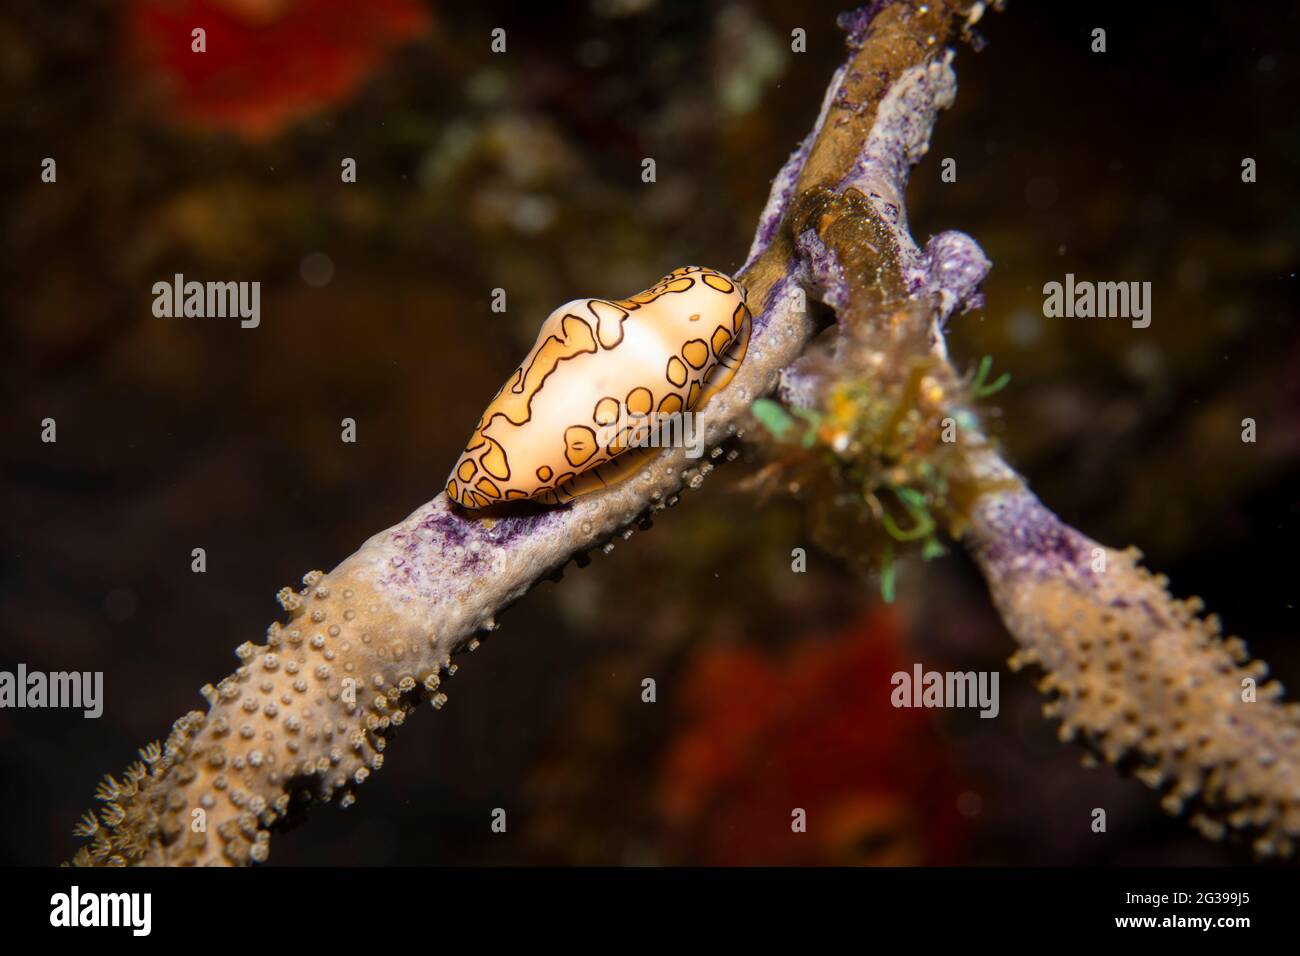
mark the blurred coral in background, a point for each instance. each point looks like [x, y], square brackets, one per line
[812, 729]
[267, 62]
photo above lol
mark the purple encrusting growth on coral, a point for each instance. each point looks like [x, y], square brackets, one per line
[774, 212]
[776, 299]
[798, 388]
[438, 538]
[783, 186]
[1020, 535]
[822, 272]
[857, 23]
[955, 266]
[898, 139]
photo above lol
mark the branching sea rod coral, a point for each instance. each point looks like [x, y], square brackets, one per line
[1136, 674]
[1140, 676]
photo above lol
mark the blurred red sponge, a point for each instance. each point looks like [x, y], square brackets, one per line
[266, 62]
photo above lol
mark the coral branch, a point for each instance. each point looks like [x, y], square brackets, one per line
[307, 712]
[1138, 675]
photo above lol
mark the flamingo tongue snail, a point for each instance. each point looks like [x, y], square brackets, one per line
[567, 422]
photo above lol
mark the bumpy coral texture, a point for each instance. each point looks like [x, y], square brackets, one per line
[305, 716]
[1141, 677]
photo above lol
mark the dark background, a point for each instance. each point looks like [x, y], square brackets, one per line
[522, 171]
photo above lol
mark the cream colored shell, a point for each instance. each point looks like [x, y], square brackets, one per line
[600, 371]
